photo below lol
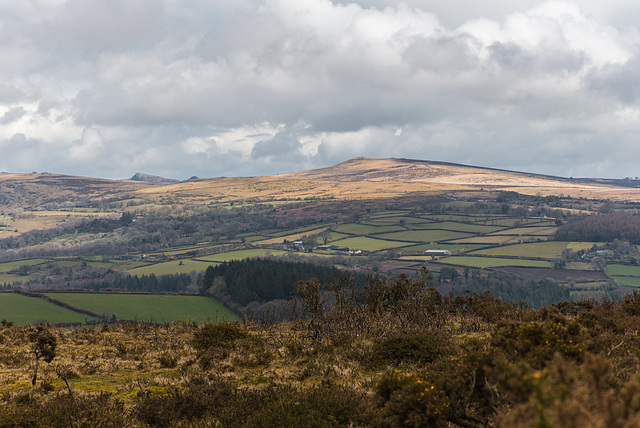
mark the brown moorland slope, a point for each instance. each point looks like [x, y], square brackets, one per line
[364, 178]
[34, 190]
[359, 178]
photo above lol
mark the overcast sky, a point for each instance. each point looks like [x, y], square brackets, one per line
[177, 88]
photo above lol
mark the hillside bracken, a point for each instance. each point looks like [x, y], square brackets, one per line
[394, 354]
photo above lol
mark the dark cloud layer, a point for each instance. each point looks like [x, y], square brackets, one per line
[251, 87]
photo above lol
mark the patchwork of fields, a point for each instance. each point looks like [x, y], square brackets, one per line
[394, 241]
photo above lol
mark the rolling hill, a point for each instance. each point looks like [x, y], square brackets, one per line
[359, 178]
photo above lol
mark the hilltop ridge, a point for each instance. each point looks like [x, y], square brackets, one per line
[359, 178]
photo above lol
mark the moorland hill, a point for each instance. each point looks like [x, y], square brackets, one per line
[360, 178]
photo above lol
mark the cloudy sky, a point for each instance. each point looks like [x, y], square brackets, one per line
[212, 88]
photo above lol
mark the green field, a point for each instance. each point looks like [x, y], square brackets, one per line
[171, 267]
[630, 281]
[485, 262]
[623, 270]
[389, 213]
[309, 230]
[150, 307]
[334, 236]
[412, 220]
[6, 267]
[532, 230]
[451, 247]
[463, 227]
[496, 239]
[241, 254]
[11, 278]
[547, 249]
[175, 252]
[431, 235]
[421, 258]
[363, 229]
[26, 310]
[369, 244]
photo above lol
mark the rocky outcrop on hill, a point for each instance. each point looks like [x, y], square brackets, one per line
[153, 179]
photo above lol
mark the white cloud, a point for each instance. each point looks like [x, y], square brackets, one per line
[260, 86]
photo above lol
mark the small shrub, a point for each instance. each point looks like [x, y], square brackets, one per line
[423, 347]
[537, 342]
[167, 360]
[46, 386]
[412, 400]
[221, 335]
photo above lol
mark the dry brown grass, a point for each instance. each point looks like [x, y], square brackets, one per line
[382, 178]
[358, 179]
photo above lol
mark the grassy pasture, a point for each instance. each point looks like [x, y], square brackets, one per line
[391, 221]
[307, 230]
[389, 213]
[507, 222]
[150, 307]
[421, 258]
[363, 229]
[26, 310]
[334, 236]
[629, 281]
[171, 267]
[292, 237]
[369, 244]
[548, 249]
[532, 230]
[77, 212]
[240, 254]
[493, 239]
[486, 262]
[411, 220]
[424, 235]
[186, 250]
[450, 247]
[463, 218]
[8, 266]
[623, 270]
[10, 278]
[120, 264]
[577, 246]
[463, 227]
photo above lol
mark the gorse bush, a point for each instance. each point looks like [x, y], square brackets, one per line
[418, 347]
[538, 342]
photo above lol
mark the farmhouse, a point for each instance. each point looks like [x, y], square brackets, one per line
[437, 252]
[298, 245]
